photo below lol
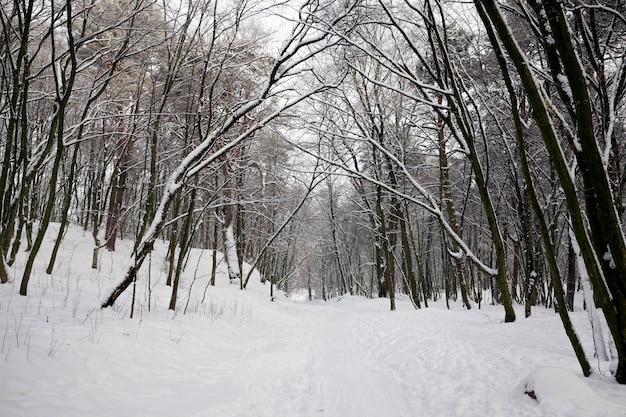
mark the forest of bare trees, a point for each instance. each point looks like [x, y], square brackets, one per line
[428, 149]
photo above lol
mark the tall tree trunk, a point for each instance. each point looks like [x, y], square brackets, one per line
[152, 182]
[240, 231]
[215, 239]
[67, 201]
[118, 180]
[534, 202]
[407, 251]
[228, 232]
[571, 276]
[606, 277]
[517, 255]
[461, 271]
[335, 241]
[17, 99]
[47, 215]
[173, 240]
[530, 282]
[184, 246]
[380, 246]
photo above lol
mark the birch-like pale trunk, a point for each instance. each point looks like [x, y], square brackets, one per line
[592, 313]
[230, 254]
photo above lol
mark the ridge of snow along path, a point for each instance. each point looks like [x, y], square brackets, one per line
[236, 354]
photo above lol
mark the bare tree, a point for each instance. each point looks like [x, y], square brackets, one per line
[306, 40]
[590, 143]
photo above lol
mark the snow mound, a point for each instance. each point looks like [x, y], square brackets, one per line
[556, 384]
[554, 387]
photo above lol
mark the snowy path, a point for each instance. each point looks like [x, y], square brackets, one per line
[316, 366]
[332, 361]
[347, 358]
[312, 366]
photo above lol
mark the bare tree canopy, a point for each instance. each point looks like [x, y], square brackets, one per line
[431, 149]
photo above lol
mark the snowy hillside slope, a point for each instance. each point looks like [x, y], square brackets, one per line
[236, 353]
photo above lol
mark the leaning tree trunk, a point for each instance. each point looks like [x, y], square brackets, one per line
[571, 276]
[494, 24]
[47, 215]
[494, 228]
[56, 134]
[546, 237]
[606, 273]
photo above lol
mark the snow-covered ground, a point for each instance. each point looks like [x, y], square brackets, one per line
[236, 353]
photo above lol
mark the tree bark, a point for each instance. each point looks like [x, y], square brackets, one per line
[118, 181]
[461, 271]
[184, 246]
[228, 232]
[67, 200]
[571, 276]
